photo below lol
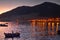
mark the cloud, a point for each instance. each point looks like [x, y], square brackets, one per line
[25, 2]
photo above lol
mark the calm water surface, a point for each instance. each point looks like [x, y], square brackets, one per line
[15, 27]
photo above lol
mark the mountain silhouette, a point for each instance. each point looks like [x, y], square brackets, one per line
[46, 9]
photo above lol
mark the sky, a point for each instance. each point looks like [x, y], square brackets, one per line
[6, 5]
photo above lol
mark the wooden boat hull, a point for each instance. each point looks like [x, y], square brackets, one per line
[11, 35]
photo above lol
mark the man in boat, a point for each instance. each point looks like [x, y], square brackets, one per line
[11, 35]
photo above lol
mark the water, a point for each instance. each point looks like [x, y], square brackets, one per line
[26, 32]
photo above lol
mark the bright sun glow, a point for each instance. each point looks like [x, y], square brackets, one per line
[1, 12]
[5, 9]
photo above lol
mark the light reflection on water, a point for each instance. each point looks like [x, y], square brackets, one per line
[12, 26]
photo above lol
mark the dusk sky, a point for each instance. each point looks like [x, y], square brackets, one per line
[6, 5]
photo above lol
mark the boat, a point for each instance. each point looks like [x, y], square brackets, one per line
[11, 35]
[3, 25]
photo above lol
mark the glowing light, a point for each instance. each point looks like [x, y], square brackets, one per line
[2, 11]
[6, 8]
[52, 28]
[49, 28]
[33, 23]
[57, 27]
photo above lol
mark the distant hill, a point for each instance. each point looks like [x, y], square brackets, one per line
[46, 9]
